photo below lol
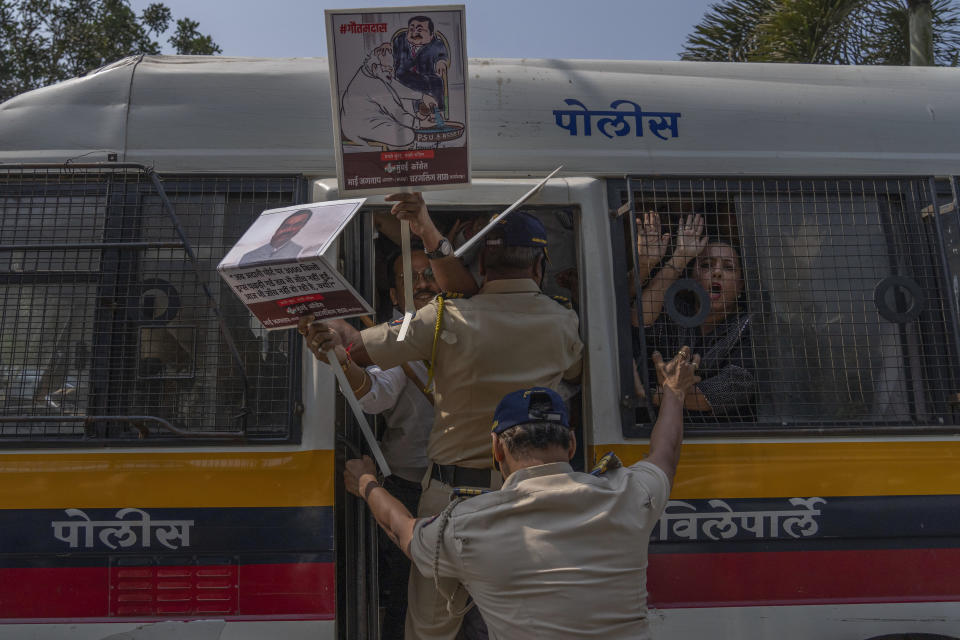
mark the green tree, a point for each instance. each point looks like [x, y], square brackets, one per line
[819, 31]
[45, 41]
[728, 31]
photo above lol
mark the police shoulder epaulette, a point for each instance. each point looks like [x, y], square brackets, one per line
[451, 295]
[563, 301]
[606, 463]
[464, 492]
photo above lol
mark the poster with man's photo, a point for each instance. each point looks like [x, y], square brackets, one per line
[278, 270]
[399, 97]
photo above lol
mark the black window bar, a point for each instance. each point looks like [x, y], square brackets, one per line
[113, 320]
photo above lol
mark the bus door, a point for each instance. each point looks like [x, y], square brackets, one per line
[569, 209]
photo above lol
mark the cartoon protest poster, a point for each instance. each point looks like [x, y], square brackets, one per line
[278, 271]
[399, 98]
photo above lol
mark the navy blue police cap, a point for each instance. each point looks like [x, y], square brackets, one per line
[520, 229]
[515, 409]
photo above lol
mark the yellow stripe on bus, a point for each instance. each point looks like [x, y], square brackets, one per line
[769, 470]
[166, 479]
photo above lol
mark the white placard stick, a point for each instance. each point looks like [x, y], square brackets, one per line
[347, 391]
[529, 194]
[408, 308]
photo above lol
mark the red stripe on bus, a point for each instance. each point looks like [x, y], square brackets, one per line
[803, 577]
[74, 592]
[288, 590]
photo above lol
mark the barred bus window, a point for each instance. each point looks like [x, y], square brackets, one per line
[45, 299]
[948, 193]
[104, 315]
[814, 303]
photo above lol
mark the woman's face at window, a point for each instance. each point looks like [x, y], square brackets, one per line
[717, 270]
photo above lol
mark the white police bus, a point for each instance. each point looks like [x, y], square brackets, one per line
[169, 466]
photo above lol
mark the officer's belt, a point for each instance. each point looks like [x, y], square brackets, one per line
[456, 476]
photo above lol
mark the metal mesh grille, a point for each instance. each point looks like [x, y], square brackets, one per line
[844, 316]
[109, 329]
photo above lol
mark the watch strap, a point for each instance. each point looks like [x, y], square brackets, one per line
[443, 250]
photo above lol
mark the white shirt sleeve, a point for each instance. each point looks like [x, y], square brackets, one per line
[385, 389]
[424, 552]
[654, 481]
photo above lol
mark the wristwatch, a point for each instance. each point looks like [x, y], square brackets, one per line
[443, 250]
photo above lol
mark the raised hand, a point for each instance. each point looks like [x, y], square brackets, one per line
[691, 238]
[680, 374]
[651, 244]
[412, 208]
[468, 226]
[356, 469]
[320, 337]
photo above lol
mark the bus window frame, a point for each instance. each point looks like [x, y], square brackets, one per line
[100, 433]
[630, 429]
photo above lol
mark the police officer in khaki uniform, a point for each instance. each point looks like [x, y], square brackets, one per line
[554, 553]
[508, 336]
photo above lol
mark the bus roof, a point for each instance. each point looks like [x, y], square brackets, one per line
[601, 118]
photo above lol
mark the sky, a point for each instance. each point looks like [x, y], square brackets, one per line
[602, 29]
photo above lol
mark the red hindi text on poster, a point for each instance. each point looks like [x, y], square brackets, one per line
[286, 302]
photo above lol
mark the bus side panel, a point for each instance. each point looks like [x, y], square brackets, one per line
[760, 524]
[823, 622]
[803, 577]
[210, 629]
[303, 589]
[142, 535]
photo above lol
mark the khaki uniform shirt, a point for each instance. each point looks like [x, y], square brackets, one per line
[554, 553]
[507, 337]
